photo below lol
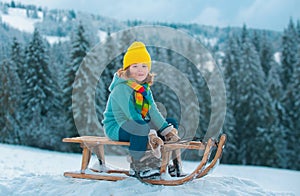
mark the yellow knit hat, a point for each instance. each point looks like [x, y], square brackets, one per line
[136, 53]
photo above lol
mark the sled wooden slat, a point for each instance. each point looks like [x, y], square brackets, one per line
[164, 162]
[198, 146]
[86, 156]
[94, 177]
[215, 159]
[94, 140]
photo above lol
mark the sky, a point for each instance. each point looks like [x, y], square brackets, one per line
[260, 14]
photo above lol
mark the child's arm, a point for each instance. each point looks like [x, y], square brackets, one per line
[123, 104]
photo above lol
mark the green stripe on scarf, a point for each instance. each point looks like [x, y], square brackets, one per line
[141, 96]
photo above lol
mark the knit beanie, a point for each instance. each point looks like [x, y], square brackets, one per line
[136, 53]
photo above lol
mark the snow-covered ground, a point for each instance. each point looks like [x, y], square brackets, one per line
[16, 18]
[31, 171]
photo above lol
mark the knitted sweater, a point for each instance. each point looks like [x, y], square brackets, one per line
[121, 107]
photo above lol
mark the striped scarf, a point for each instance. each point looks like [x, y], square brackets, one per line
[141, 97]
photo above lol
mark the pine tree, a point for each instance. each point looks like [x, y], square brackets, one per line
[232, 67]
[266, 55]
[290, 98]
[200, 88]
[289, 53]
[229, 128]
[80, 46]
[298, 33]
[273, 155]
[164, 86]
[296, 113]
[113, 63]
[2, 111]
[17, 61]
[41, 96]
[253, 106]
[126, 38]
[17, 56]
[278, 131]
[59, 58]
[292, 106]
[257, 42]
[10, 103]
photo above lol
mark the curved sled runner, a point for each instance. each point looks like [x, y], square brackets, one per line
[95, 144]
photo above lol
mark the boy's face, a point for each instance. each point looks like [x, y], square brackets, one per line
[138, 71]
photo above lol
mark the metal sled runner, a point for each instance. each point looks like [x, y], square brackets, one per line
[96, 145]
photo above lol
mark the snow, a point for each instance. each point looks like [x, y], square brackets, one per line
[102, 35]
[56, 39]
[208, 41]
[277, 57]
[17, 18]
[31, 171]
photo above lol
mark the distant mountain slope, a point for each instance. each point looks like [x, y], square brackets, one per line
[61, 23]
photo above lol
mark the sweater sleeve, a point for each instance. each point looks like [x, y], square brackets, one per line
[156, 117]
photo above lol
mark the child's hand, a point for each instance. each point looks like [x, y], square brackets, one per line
[155, 141]
[172, 136]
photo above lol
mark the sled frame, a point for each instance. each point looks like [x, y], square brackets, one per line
[94, 144]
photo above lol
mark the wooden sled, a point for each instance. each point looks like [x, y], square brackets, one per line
[96, 145]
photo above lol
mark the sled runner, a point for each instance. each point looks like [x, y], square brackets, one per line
[93, 144]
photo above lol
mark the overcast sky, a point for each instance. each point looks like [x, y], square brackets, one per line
[262, 14]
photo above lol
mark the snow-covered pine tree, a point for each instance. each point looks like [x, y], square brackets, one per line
[83, 96]
[289, 53]
[290, 59]
[101, 97]
[200, 88]
[229, 128]
[41, 96]
[162, 90]
[295, 116]
[278, 132]
[232, 63]
[266, 54]
[17, 61]
[2, 111]
[80, 46]
[298, 30]
[59, 58]
[253, 106]
[102, 91]
[126, 38]
[292, 106]
[17, 56]
[113, 64]
[10, 103]
[257, 41]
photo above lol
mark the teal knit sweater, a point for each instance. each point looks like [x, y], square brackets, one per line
[120, 108]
